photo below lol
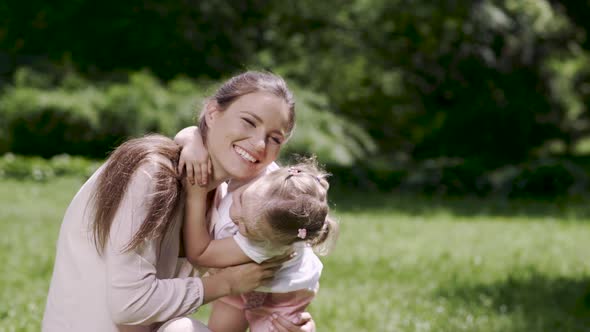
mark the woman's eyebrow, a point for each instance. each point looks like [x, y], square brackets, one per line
[254, 116]
[259, 119]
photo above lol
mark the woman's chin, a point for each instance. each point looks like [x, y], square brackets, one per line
[244, 171]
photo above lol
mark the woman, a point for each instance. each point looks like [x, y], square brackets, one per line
[117, 252]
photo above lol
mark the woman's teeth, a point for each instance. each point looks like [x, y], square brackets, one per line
[245, 154]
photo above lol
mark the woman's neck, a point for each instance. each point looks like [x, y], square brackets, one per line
[217, 177]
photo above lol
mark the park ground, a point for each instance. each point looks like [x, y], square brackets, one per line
[402, 263]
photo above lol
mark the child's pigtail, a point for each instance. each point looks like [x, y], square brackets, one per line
[324, 242]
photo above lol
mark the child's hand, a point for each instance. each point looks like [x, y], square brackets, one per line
[196, 160]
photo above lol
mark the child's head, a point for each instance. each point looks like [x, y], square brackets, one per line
[287, 206]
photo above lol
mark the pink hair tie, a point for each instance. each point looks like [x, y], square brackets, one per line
[302, 233]
[292, 171]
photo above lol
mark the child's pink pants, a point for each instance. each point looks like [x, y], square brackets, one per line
[259, 306]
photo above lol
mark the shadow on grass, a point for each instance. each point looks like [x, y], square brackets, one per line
[413, 204]
[544, 304]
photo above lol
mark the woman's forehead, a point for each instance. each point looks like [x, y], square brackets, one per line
[264, 107]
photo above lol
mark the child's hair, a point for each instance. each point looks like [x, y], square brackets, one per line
[296, 206]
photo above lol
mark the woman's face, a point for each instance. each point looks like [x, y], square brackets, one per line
[248, 135]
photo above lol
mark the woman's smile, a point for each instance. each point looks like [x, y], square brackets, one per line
[246, 155]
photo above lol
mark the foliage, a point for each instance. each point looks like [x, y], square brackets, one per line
[487, 83]
[540, 179]
[545, 178]
[81, 118]
[169, 37]
[39, 169]
[76, 117]
[438, 79]
[332, 138]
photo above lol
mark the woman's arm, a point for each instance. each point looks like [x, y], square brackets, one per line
[220, 253]
[135, 296]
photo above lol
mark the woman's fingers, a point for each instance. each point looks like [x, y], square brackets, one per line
[269, 271]
[278, 328]
[254, 275]
[303, 317]
[281, 324]
[278, 260]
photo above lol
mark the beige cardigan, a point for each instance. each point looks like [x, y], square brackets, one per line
[117, 291]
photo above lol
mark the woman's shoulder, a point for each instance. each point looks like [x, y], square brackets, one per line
[149, 172]
[154, 163]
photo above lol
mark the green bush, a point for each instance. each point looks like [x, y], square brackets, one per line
[365, 176]
[46, 117]
[332, 138]
[549, 178]
[40, 169]
[82, 118]
[447, 176]
[542, 178]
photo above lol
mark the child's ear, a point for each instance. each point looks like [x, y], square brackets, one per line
[213, 111]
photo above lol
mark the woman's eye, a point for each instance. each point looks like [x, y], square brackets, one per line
[276, 140]
[250, 122]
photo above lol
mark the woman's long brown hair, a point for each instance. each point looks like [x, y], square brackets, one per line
[114, 181]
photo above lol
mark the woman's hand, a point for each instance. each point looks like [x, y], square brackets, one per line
[305, 323]
[247, 277]
[196, 159]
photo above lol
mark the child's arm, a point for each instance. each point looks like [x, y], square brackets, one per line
[184, 136]
[221, 253]
[199, 249]
[195, 234]
[226, 318]
[194, 155]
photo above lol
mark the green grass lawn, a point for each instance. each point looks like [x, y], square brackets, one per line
[401, 264]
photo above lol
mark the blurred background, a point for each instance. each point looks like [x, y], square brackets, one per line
[457, 133]
[447, 97]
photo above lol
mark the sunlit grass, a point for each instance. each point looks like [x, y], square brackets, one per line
[401, 264]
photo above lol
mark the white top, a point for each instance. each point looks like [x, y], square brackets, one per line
[89, 292]
[301, 272]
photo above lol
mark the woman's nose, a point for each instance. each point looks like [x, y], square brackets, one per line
[260, 145]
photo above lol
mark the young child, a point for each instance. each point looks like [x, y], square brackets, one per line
[281, 212]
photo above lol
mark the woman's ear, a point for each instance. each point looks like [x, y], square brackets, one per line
[213, 111]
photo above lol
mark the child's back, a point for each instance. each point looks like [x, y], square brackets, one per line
[291, 290]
